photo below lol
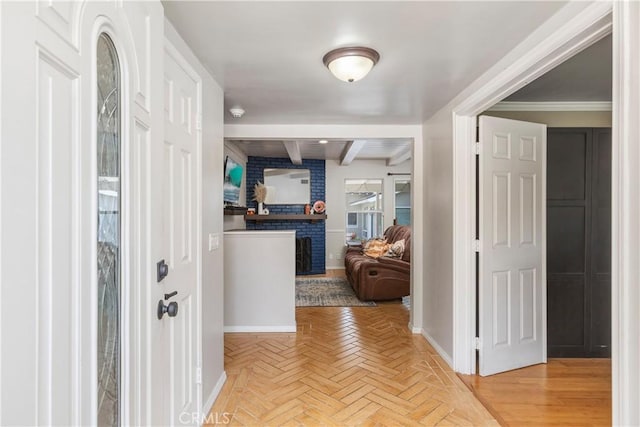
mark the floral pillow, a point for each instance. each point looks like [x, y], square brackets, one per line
[396, 249]
[375, 248]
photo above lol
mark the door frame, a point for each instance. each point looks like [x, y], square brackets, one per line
[585, 28]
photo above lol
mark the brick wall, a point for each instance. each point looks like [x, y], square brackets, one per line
[255, 167]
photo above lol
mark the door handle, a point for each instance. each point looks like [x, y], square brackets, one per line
[171, 309]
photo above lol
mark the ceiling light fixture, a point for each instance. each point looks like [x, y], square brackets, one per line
[236, 112]
[350, 64]
[322, 141]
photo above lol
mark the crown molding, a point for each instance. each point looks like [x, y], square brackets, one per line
[552, 106]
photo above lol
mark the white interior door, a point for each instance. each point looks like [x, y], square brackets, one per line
[512, 232]
[180, 209]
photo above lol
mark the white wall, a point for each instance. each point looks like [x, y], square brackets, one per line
[336, 206]
[236, 222]
[437, 294]
[253, 304]
[212, 223]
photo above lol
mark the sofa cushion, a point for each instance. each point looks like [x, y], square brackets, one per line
[396, 249]
[399, 232]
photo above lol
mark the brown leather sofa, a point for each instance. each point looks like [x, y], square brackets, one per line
[383, 278]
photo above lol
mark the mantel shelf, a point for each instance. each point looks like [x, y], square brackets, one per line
[286, 217]
[235, 211]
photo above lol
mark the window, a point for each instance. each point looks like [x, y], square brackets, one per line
[402, 188]
[108, 233]
[364, 209]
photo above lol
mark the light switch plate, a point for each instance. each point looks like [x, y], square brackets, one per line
[214, 241]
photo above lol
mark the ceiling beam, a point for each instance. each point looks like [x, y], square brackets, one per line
[399, 157]
[293, 148]
[350, 151]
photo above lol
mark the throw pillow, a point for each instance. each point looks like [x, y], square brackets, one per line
[396, 249]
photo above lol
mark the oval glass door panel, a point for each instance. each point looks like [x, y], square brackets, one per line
[108, 233]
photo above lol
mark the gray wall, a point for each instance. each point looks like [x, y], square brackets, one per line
[438, 233]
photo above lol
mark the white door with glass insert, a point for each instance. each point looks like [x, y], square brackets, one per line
[80, 118]
[512, 263]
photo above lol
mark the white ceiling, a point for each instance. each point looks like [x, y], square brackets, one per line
[268, 58]
[268, 55]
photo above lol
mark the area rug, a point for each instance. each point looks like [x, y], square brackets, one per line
[327, 292]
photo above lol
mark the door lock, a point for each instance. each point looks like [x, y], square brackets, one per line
[171, 309]
[162, 270]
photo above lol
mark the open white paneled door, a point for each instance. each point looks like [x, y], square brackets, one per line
[512, 232]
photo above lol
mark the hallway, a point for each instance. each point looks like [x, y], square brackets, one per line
[345, 366]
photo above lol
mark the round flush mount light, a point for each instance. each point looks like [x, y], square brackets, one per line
[236, 112]
[323, 141]
[350, 64]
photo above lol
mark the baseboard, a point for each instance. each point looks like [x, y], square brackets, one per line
[283, 328]
[414, 329]
[438, 349]
[334, 268]
[208, 404]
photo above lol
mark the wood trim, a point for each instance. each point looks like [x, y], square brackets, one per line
[625, 203]
[285, 217]
[464, 256]
[551, 106]
[208, 404]
[228, 211]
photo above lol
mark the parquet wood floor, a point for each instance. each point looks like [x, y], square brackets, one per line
[344, 366]
[564, 392]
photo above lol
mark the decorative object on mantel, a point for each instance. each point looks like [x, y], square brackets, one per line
[307, 209]
[259, 195]
[319, 207]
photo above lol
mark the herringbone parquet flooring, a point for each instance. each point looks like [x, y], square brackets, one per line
[344, 366]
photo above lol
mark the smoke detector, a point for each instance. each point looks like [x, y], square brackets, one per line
[236, 112]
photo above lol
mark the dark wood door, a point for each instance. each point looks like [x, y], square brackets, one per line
[579, 242]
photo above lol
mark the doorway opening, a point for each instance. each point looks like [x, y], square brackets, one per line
[577, 172]
[587, 230]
